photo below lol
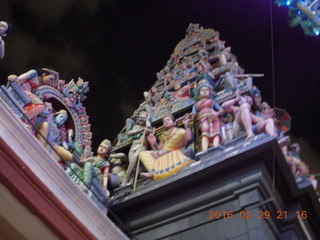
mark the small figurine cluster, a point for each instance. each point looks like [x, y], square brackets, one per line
[203, 79]
[213, 100]
[53, 111]
[202, 95]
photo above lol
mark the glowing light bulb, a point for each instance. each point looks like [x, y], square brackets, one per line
[316, 31]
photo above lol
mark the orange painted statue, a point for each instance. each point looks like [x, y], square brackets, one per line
[30, 81]
[208, 115]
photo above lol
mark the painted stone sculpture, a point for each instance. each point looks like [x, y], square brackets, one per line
[166, 157]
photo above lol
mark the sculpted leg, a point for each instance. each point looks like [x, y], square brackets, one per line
[205, 129]
[270, 128]
[133, 158]
[244, 117]
[216, 132]
[129, 171]
[216, 141]
[267, 126]
[204, 143]
[64, 153]
[44, 130]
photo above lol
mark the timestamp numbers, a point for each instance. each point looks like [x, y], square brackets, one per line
[220, 214]
[258, 215]
[286, 214]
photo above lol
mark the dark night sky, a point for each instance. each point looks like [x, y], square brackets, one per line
[119, 46]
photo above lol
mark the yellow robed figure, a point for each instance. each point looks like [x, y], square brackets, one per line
[166, 158]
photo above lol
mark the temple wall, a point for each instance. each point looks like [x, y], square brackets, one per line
[238, 182]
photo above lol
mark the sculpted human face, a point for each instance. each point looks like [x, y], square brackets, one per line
[142, 119]
[48, 108]
[60, 119]
[168, 122]
[154, 90]
[248, 99]
[47, 79]
[265, 107]
[3, 28]
[204, 92]
[103, 149]
[257, 98]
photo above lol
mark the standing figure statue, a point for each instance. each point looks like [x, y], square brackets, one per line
[245, 120]
[138, 144]
[208, 114]
[5, 27]
[166, 158]
[52, 136]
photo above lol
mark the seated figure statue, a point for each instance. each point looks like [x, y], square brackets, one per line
[30, 82]
[166, 158]
[245, 120]
[95, 167]
[50, 136]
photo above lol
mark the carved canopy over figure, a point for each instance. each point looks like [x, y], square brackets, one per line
[166, 158]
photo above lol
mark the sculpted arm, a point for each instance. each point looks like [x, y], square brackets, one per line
[228, 106]
[2, 45]
[23, 77]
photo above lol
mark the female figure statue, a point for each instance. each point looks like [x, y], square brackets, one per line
[96, 168]
[208, 114]
[166, 158]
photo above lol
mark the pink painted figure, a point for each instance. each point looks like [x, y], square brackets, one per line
[182, 93]
[245, 120]
[30, 81]
[208, 114]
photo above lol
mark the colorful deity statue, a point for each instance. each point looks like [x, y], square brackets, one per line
[166, 158]
[30, 81]
[138, 143]
[244, 118]
[95, 168]
[46, 115]
[52, 136]
[208, 112]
